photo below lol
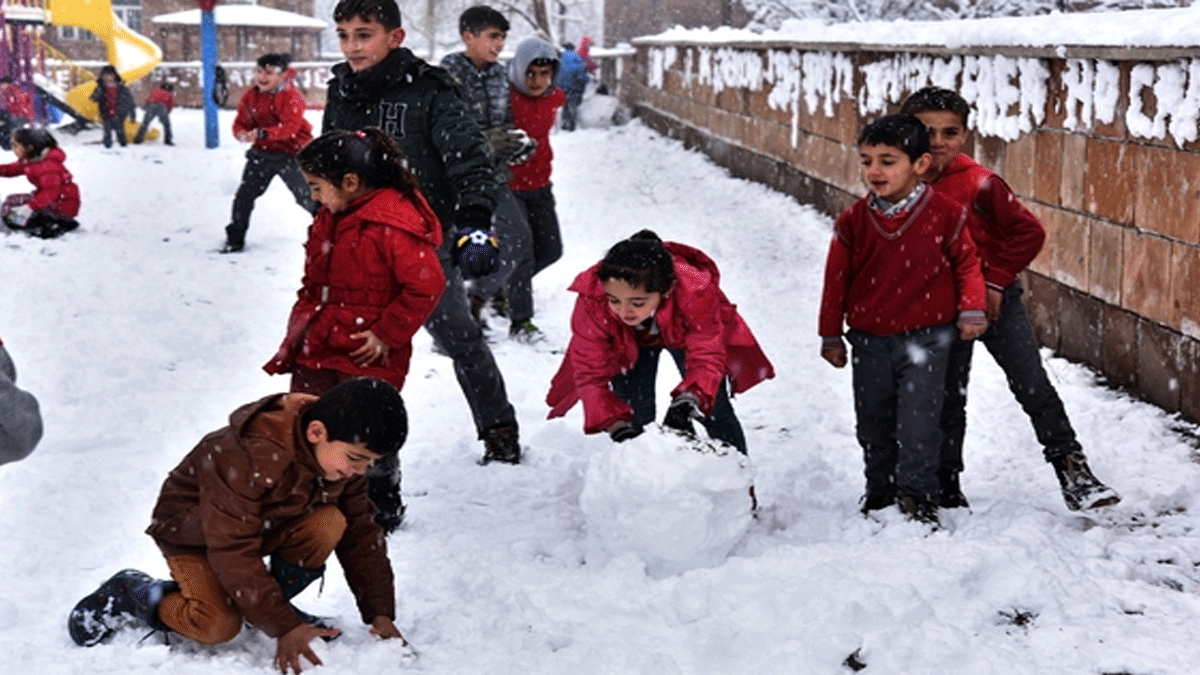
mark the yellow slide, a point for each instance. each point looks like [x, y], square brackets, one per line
[133, 55]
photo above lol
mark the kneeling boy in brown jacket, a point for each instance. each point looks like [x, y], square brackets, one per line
[285, 479]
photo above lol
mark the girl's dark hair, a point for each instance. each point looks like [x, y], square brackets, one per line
[37, 139]
[362, 410]
[384, 12]
[368, 153]
[642, 261]
[937, 99]
[902, 131]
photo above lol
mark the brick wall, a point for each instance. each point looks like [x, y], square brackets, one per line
[1101, 144]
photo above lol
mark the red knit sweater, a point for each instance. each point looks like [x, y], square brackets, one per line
[1007, 235]
[890, 275]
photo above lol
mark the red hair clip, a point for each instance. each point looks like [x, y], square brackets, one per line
[360, 134]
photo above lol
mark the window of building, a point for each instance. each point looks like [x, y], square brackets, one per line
[129, 12]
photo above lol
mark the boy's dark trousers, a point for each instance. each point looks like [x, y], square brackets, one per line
[636, 387]
[514, 276]
[570, 110]
[898, 392]
[1011, 341]
[155, 111]
[261, 168]
[456, 333]
[113, 125]
[542, 215]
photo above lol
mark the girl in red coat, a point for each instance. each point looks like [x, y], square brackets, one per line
[371, 277]
[51, 209]
[643, 297]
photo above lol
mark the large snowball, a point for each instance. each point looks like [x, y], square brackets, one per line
[597, 111]
[675, 503]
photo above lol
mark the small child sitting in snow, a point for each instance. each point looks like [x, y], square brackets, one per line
[647, 295]
[51, 209]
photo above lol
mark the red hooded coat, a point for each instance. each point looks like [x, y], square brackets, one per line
[373, 266]
[54, 190]
[694, 316]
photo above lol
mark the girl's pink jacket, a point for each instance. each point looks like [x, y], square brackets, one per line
[55, 191]
[694, 316]
[374, 266]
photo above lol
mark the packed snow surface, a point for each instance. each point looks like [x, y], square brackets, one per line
[139, 338]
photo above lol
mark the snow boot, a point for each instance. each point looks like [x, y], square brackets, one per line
[383, 489]
[920, 510]
[1080, 488]
[294, 579]
[501, 444]
[235, 240]
[127, 594]
[877, 497]
[952, 494]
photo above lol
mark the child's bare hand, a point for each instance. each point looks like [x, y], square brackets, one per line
[835, 355]
[372, 351]
[386, 629]
[995, 298]
[246, 136]
[971, 331]
[293, 644]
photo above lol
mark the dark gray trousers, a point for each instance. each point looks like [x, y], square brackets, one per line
[261, 168]
[514, 276]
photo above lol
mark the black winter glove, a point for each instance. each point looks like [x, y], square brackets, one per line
[680, 415]
[476, 251]
[527, 149]
[623, 431]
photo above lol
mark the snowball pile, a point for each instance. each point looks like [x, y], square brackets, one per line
[677, 504]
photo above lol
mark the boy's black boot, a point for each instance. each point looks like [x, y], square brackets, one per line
[235, 239]
[952, 494]
[920, 510]
[1080, 488]
[292, 580]
[383, 489]
[502, 444]
[127, 594]
[877, 497]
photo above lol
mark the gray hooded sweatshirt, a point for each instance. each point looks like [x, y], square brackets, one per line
[530, 50]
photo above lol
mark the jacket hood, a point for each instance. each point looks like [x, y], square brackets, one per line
[387, 207]
[961, 162]
[530, 50]
[53, 154]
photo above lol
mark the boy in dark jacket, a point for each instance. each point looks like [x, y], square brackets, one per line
[902, 273]
[271, 117]
[385, 85]
[159, 104]
[1009, 237]
[115, 104]
[483, 86]
[285, 479]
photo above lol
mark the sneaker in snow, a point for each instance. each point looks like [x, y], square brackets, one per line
[952, 494]
[1080, 488]
[100, 614]
[526, 332]
[876, 499]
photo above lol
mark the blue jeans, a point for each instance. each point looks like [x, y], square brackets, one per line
[898, 391]
[1011, 341]
[636, 387]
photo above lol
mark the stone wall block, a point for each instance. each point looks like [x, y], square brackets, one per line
[1041, 303]
[1081, 320]
[1048, 166]
[1106, 251]
[1108, 168]
[1185, 289]
[1145, 287]
[1158, 365]
[1163, 203]
[1073, 166]
[1120, 352]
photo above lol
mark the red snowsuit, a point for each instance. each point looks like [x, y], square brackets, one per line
[276, 116]
[373, 266]
[54, 192]
[694, 316]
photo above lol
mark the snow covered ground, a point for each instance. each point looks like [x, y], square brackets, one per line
[139, 338]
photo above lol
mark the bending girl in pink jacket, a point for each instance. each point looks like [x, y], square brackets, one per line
[643, 297]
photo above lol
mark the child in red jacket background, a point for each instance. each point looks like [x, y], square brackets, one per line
[271, 117]
[159, 104]
[51, 209]
[535, 100]
[643, 297]
[371, 277]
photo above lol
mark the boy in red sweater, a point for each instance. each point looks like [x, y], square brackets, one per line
[535, 100]
[159, 104]
[1009, 237]
[903, 274]
[271, 116]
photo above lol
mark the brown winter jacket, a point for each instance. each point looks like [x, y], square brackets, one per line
[243, 483]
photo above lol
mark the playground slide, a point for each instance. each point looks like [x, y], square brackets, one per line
[133, 55]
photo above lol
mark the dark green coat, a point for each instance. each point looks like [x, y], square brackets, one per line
[417, 104]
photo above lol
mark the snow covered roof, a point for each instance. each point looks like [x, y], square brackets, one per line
[1136, 28]
[243, 15]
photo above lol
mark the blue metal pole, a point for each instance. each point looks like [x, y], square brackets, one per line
[208, 63]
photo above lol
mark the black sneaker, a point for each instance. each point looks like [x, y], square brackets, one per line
[876, 499]
[919, 510]
[1080, 488]
[952, 495]
[501, 444]
[97, 616]
[233, 247]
